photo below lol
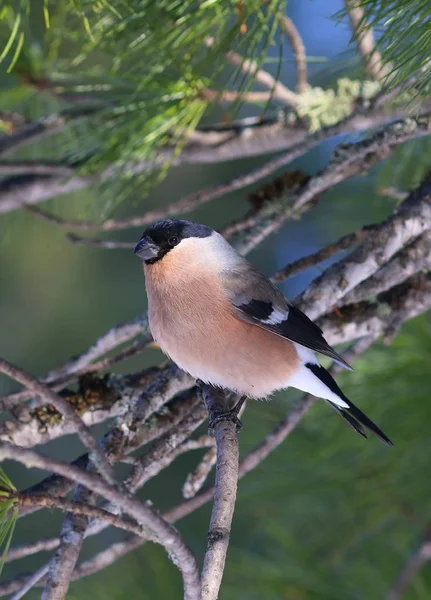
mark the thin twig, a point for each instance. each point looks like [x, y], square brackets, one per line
[409, 570]
[196, 479]
[42, 545]
[299, 53]
[224, 494]
[35, 168]
[364, 37]
[78, 507]
[105, 244]
[31, 582]
[233, 96]
[250, 67]
[317, 257]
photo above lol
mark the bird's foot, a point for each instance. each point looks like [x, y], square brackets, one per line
[230, 415]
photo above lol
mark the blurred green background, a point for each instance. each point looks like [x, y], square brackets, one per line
[328, 515]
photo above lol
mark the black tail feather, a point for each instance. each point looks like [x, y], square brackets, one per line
[354, 412]
[351, 414]
[354, 424]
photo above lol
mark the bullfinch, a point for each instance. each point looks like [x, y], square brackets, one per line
[221, 320]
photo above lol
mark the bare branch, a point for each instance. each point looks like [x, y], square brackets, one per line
[30, 582]
[35, 168]
[162, 452]
[78, 507]
[364, 38]
[196, 479]
[61, 566]
[130, 433]
[16, 192]
[298, 48]
[250, 67]
[42, 545]
[224, 494]
[409, 221]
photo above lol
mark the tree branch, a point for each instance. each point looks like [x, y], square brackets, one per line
[299, 53]
[77, 507]
[421, 555]
[249, 67]
[311, 260]
[364, 38]
[410, 220]
[62, 564]
[196, 479]
[224, 494]
[30, 582]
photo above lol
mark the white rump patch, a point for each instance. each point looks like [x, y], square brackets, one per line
[305, 354]
[305, 380]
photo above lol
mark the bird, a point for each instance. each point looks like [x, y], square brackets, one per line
[222, 321]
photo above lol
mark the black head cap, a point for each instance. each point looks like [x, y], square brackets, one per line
[160, 238]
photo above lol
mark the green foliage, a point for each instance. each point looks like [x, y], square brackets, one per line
[407, 166]
[147, 65]
[404, 39]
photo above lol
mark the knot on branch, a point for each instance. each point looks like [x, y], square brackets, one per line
[216, 536]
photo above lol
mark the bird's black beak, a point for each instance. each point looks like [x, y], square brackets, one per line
[145, 249]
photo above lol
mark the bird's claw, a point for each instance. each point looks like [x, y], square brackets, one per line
[230, 415]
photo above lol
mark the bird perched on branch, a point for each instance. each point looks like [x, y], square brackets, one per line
[221, 320]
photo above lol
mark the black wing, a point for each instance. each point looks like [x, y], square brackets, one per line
[268, 308]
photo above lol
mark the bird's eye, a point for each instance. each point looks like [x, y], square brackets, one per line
[173, 241]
